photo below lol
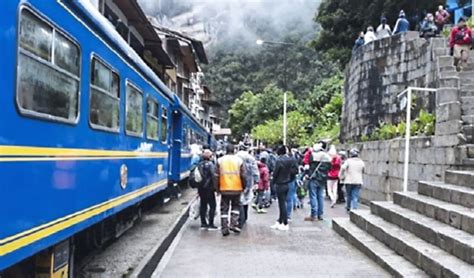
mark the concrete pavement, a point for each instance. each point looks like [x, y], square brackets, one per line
[307, 250]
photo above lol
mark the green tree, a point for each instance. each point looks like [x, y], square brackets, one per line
[251, 109]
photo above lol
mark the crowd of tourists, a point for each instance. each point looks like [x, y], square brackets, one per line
[460, 39]
[259, 177]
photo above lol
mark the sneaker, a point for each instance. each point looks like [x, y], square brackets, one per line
[289, 219]
[235, 230]
[283, 227]
[254, 206]
[333, 204]
[320, 218]
[262, 210]
[204, 226]
[310, 218]
[212, 228]
[225, 232]
[275, 226]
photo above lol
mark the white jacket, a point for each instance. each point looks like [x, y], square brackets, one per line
[369, 37]
[352, 171]
[383, 32]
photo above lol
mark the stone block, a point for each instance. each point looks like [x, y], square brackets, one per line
[449, 127]
[446, 141]
[446, 95]
[448, 111]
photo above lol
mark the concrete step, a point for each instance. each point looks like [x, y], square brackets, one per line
[440, 51]
[451, 240]
[467, 105]
[449, 82]
[446, 74]
[455, 194]
[466, 93]
[468, 131]
[440, 43]
[468, 162]
[445, 61]
[455, 215]
[447, 68]
[467, 86]
[433, 260]
[395, 264]
[465, 76]
[468, 119]
[462, 178]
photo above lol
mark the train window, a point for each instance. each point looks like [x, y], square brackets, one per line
[47, 85]
[66, 54]
[152, 119]
[164, 124]
[185, 137]
[105, 97]
[35, 35]
[134, 111]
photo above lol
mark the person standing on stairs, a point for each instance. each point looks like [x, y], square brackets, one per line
[460, 42]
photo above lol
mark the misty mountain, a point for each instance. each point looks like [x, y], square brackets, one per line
[235, 25]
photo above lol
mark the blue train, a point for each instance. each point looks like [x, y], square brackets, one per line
[86, 131]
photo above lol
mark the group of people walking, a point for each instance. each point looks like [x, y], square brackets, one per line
[242, 179]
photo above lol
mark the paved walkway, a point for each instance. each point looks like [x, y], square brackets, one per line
[307, 250]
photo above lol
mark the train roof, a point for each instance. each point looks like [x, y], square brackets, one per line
[108, 30]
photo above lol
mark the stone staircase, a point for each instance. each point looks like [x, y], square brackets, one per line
[420, 234]
[429, 233]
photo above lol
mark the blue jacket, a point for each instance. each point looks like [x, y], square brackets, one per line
[401, 26]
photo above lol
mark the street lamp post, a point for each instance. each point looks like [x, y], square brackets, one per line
[285, 94]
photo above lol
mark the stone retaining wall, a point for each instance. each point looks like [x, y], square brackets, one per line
[377, 73]
[430, 157]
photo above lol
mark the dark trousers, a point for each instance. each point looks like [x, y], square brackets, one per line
[207, 199]
[259, 201]
[340, 192]
[232, 203]
[244, 214]
[282, 193]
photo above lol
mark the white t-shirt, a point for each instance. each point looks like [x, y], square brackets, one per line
[352, 170]
[383, 31]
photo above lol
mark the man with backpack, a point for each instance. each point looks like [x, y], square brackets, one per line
[204, 178]
[319, 165]
[231, 183]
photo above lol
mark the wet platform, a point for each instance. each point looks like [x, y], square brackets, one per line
[308, 249]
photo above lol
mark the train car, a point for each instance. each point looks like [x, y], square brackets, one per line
[192, 136]
[87, 130]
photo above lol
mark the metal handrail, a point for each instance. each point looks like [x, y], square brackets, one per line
[409, 91]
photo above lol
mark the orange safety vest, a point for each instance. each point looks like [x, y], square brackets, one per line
[229, 173]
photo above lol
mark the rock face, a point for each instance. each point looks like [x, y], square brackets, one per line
[377, 73]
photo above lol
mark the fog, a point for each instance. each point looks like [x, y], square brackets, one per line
[235, 22]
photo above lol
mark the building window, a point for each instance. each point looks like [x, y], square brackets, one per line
[164, 124]
[47, 71]
[152, 119]
[134, 111]
[105, 97]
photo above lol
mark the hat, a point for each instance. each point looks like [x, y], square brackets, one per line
[318, 147]
[207, 154]
[354, 152]
[342, 153]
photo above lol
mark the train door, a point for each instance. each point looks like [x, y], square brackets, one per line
[175, 142]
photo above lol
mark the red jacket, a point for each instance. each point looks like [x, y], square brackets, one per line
[333, 174]
[307, 157]
[461, 36]
[264, 182]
